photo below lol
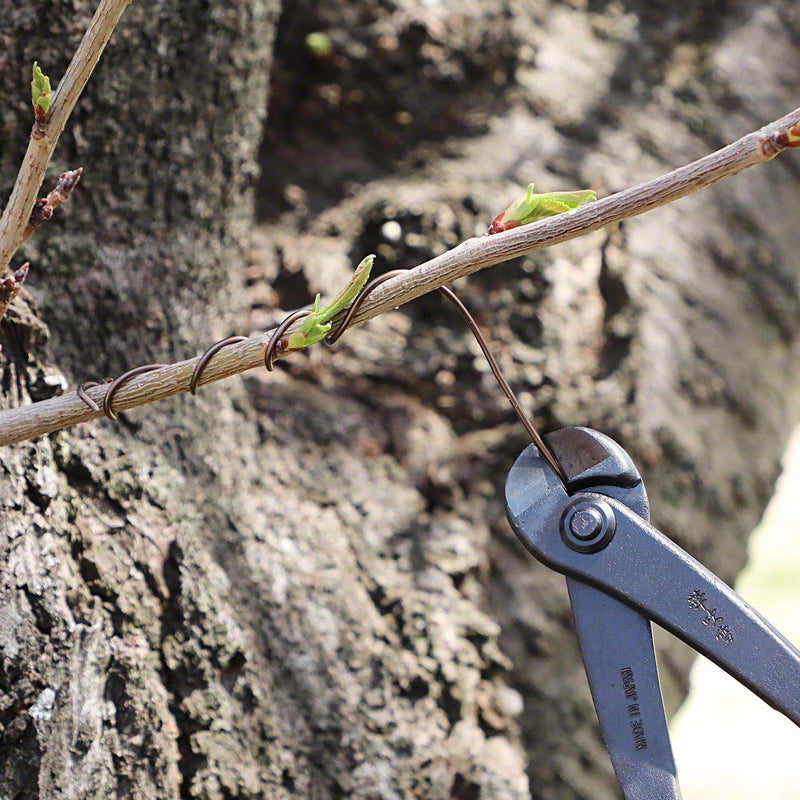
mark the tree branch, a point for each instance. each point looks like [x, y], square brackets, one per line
[472, 255]
[10, 287]
[47, 130]
[43, 208]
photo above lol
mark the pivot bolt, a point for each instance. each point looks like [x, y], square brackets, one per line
[586, 523]
[587, 526]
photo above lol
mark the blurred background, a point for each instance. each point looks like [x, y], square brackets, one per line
[729, 745]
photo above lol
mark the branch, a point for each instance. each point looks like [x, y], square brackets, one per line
[49, 126]
[43, 208]
[472, 255]
[42, 211]
[10, 287]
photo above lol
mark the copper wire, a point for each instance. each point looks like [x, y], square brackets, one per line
[447, 292]
[115, 385]
[536, 438]
[202, 362]
[271, 350]
[81, 392]
[276, 342]
[336, 333]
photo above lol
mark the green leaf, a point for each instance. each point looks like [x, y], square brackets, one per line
[317, 324]
[41, 93]
[532, 206]
[345, 298]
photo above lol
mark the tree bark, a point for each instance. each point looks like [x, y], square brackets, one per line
[303, 584]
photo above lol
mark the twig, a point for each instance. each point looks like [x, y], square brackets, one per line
[47, 130]
[46, 416]
[10, 286]
[43, 208]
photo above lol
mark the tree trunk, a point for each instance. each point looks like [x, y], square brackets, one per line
[302, 584]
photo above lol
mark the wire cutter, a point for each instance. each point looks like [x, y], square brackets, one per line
[622, 574]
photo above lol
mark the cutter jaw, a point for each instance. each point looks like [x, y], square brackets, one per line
[590, 459]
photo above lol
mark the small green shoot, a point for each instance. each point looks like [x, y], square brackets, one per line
[317, 324]
[535, 206]
[41, 94]
[319, 44]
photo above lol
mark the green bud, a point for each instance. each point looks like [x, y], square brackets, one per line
[41, 93]
[535, 206]
[319, 44]
[317, 324]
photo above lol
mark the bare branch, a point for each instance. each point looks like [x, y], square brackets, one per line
[470, 256]
[48, 127]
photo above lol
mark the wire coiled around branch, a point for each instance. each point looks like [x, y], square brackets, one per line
[277, 344]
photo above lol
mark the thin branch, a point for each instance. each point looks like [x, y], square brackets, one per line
[47, 130]
[10, 287]
[475, 254]
[44, 207]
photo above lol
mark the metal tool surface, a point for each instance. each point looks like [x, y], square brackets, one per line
[622, 574]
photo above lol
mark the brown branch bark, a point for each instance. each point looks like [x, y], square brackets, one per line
[472, 255]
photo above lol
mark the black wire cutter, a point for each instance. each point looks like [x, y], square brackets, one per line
[621, 574]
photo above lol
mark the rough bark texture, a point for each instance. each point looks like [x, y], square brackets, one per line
[303, 585]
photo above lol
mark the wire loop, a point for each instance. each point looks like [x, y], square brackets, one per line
[336, 334]
[81, 392]
[117, 383]
[202, 362]
[271, 350]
